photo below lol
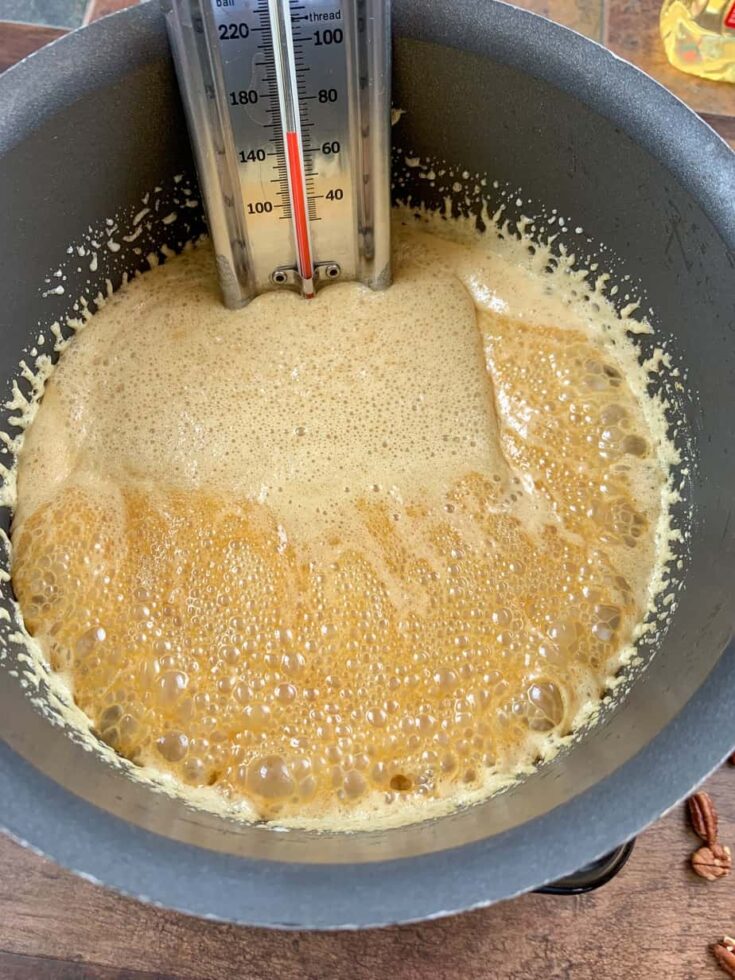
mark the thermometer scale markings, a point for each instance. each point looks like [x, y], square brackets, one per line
[288, 108]
[288, 96]
[273, 35]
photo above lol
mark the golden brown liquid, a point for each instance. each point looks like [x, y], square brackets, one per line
[387, 630]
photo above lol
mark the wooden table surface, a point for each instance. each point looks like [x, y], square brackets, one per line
[655, 921]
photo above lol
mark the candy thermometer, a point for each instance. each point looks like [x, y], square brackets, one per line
[288, 106]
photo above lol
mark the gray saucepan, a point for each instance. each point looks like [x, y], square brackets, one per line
[91, 124]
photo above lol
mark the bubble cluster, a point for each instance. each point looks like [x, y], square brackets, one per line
[576, 431]
[402, 644]
[294, 677]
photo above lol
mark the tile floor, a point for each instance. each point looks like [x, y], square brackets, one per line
[51, 13]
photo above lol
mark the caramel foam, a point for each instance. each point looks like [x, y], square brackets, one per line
[345, 556]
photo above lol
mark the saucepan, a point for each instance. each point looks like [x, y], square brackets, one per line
[91, 127]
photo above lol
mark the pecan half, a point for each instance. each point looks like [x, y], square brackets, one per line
[712, 862]
[731, 760]
[723, 953]
[703, 817]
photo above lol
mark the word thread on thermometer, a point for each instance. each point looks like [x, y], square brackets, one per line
[288, 107]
